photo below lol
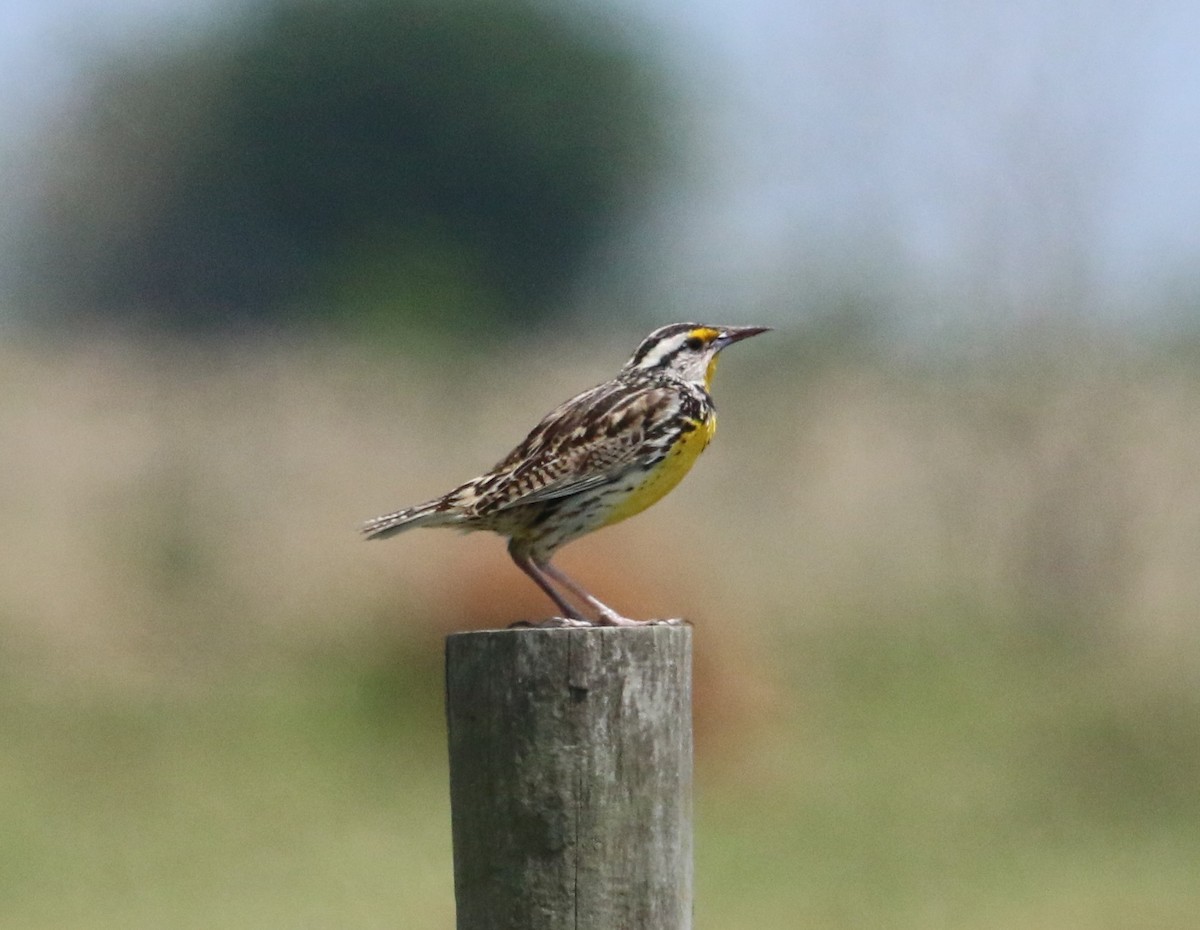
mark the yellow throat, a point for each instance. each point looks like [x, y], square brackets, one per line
[708, 376]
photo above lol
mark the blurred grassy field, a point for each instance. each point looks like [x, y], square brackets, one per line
[948, 667]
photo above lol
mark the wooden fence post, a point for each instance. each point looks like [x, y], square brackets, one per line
[571, 778]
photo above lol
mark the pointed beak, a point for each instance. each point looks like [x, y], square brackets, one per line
[731, 334]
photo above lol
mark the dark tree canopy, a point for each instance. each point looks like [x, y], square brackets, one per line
[430, 161]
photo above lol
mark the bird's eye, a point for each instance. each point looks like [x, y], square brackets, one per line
[694, 343]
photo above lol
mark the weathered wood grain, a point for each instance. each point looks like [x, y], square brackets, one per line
[571, 778]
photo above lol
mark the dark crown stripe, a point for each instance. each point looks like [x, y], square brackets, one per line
[656, 338]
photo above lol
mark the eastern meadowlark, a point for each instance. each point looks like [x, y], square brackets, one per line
[602, 456]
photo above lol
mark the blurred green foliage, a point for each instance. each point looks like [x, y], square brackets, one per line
[411, 164]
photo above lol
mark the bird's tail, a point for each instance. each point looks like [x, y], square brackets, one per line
[432, 513]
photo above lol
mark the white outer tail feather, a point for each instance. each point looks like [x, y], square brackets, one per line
[389, 524]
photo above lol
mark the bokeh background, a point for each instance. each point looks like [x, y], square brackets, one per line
[268, 267]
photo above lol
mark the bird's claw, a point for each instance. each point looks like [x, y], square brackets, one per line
[578, 623]
[615, 619]
[552, 623]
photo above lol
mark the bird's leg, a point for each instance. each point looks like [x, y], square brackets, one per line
[570, 615]
[608, 616]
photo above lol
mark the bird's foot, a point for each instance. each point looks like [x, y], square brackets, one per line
[612, 618]
[552, 623]
[607, 617]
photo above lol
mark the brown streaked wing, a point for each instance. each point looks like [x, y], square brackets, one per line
[584, 443]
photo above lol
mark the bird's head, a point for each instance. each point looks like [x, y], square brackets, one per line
[688, 350]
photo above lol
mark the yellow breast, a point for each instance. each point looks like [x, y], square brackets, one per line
[668, 473]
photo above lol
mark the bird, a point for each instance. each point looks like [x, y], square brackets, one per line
[600, 457]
